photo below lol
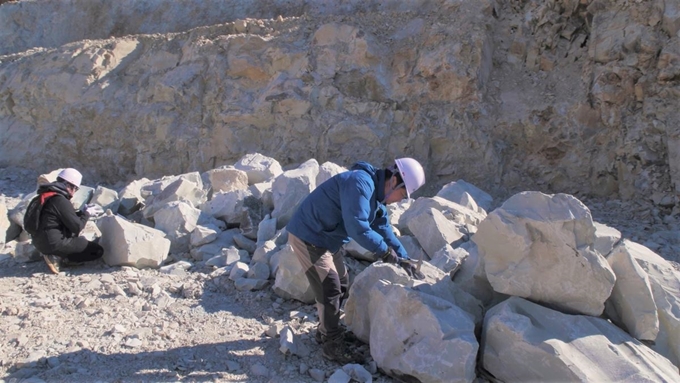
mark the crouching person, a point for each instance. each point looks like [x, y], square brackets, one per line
[55, 225]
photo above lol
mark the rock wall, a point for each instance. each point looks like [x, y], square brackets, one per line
[557, 95]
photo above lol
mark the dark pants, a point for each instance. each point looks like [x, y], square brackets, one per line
[76, 249]
[328, 278]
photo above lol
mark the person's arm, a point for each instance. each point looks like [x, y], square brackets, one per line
[68, 216]
[384, 228]
[355, 197]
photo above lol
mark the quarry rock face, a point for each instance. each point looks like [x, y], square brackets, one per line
[416, 78]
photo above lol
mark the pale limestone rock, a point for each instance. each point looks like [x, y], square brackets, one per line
[564, 348]
[290, 188]
[451, 210]
[605, 238]
[357, 318]
[224, 240]
[227, 178]
[202, 235]
[263, 192]
[328, 170]
[446, 289]
[456, 192]
[472, 277]
[541, 247]
[291, 282]
[631, 302]
[258, 167]
[26, 252]
[665, 283]
[239, 270]
[396, 210]
[4, 221]
[90, 231]
[106, 198]
[259, 270]
[155, 187]
[249, 284]
[433, 230]
[413, 248]
[232, 255]
[339, 376]
[228, 206]
[130, 244]
[358, 373]
[177, 220]
[179, 190]
[421, 336]
[449, 259]
[264, 252]
[130, 197]
[266, 230]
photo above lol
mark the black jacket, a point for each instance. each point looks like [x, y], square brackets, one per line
[59, 221]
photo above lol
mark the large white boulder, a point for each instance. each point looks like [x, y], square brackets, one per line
[130, 244]
[456, 192]
[357, 316]
[665, 283]
[451, 210]
[449, 291]
[227, 178]
[434, 231]
[541, 247]
[525, 342]
[130, 197]
[180, 190]
[472, 277]
[328, 170]
[258, 167]
[177, 220]
[419, 337]
[106, 198]
[291, 281]
[632, 303]
[290, 188]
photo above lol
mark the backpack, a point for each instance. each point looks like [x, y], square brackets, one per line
[32, 216]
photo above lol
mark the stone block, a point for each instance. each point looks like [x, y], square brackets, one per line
[106, 198]
[291, 282]
[202, 235]
[130, 244]
[290, 188]
[456, 192]
[258, 167]
[227, 178]
[177, 220]
[434, 231]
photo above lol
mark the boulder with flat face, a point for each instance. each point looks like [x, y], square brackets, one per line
[106, 198]
[434, 231]
[130, 244]
[227, 178]
[526, 342]
[461, 192]
[291, 282]
[177, 220]
[542, 247]
[290, 188]
[258, 167]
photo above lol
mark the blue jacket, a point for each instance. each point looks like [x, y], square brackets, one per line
[347, 206]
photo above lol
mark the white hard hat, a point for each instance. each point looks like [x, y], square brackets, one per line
[412, 173]
[71, 176]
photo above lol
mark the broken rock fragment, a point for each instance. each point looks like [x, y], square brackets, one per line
[129, 244]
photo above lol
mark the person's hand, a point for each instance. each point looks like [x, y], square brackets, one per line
[390, 256]
[93, 210]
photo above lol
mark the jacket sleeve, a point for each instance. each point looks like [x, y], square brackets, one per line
[384, 228]
[355, 200]
[69, 217]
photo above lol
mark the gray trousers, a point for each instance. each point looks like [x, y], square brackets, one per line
[328, 278]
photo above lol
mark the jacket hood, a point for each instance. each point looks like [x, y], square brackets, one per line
[378, 176]
[57, 187]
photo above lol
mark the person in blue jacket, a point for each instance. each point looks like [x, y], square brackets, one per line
[352, 205]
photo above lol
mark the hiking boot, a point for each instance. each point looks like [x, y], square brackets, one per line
[339, 351]
[53, 262]
[347, 336]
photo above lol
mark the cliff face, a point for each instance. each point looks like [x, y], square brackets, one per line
[559, 96]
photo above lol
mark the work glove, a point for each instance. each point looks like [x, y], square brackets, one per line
[93, 210]
[390, 256]
[411, 269]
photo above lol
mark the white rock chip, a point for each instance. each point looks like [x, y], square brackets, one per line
[339, 376]
[129, 244]
[239, 270]
[632, 302]
[202, 235]
[525, 342]
[541, 247]
[259, 270]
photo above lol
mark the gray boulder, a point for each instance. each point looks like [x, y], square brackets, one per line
[130, 244]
